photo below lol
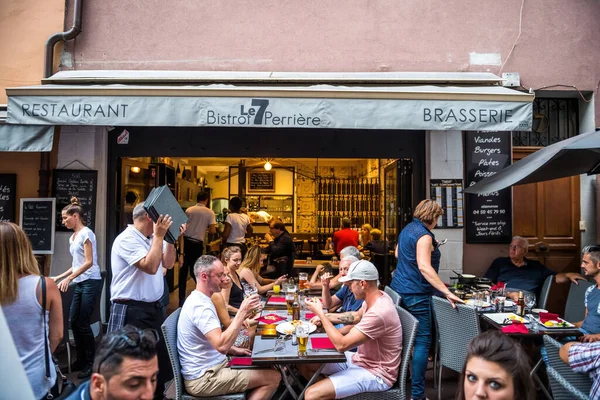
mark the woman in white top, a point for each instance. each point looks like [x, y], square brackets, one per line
[21, 300]
[85, 274]
[237, 226]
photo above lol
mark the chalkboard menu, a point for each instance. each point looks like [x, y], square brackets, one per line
[37, 220]
[261, 181]
[488, 216]
[67, 183]
[8, 196]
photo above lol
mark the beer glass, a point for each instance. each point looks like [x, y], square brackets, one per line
[289, 301]
[302, 332]
[302, 280]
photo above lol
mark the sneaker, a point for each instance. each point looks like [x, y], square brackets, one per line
[85, 372]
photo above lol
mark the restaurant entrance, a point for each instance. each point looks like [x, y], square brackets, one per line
[350, 162]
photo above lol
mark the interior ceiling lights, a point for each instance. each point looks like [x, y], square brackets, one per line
[268, 165]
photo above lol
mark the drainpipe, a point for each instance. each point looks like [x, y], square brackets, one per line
[62, 36]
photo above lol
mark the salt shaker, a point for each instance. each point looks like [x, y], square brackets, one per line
[294, 339]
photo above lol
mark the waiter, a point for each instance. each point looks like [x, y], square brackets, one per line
[137, 284]
[200, 220]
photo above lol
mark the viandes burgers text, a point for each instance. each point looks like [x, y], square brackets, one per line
[258, 114]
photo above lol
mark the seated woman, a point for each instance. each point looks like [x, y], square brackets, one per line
[376, 245]
[250, 269]
[496, 367]
[234, 295]
[365, 236]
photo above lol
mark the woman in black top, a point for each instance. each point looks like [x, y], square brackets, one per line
[234, 295]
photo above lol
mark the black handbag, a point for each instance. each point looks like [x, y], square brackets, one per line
[63, 387]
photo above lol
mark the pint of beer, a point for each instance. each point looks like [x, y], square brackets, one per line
[302, 332]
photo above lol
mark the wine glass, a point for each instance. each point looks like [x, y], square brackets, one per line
[530, 300]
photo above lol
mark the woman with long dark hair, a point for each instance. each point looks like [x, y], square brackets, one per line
[237, 226]
[21, 300]
[496, 368]
[85, 274]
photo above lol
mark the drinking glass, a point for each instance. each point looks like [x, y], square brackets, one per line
[529, 300]
[250, 290]
[308, 260]
[302, 280]
[289, 301]
[302, 332]
[500, 298]
[478, 300]
[276, 289]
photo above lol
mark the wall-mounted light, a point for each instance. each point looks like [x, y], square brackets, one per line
[268, 166]
[135, 170]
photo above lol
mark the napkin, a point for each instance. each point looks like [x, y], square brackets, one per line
[515, 327]
[321, 343]
[548, 316]
[241, 361]
[498, 285]
[271, 321]
[276, 299]
[310, 315]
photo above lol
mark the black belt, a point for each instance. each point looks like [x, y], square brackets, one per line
[141, 304]
[192, 239]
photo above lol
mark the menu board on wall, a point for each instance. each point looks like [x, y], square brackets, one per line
[37, 220]
[488, 216]
[448, 193]
[67, 183]
[8, 196]
[263, 181]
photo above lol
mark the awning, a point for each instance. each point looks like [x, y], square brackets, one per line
[363, 101]
[24, 137]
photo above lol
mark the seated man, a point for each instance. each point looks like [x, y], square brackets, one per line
[520, 273]
[125, 367]
[202, 344]
[377, 333]
[584, 358]
[344, 297]
[348, 251]
[590, 263]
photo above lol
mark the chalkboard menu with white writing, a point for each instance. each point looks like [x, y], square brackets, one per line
[37, 220]
[488, 216]
[68, 183]
[261, 181]
[8, 196]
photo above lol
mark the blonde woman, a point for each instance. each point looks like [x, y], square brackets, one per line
[85, 274]
[21, 301]
[233, 295]
[365, 235]
[250, 271]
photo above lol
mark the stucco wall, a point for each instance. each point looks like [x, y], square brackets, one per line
[558, 42]
[25, 25]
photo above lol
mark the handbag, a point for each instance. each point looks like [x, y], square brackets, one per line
[63, 387]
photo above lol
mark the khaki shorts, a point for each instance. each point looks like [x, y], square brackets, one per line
[219, 380]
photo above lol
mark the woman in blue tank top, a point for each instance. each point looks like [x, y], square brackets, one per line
[416, 278]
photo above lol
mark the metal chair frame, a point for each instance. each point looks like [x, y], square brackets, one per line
[581, 382]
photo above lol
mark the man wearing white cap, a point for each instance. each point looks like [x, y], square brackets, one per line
[377, 333]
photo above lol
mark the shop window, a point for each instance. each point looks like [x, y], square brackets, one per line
[553, 120]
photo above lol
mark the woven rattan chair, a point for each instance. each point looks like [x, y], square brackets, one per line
[559, 383]
[581, 382]
[544, 292]
[175, 389]
[393, 294]
[398, 391]
[456, 328]
[574, 308]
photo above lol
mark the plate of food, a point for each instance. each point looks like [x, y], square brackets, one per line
[558, 323]
[287, 328]
[473, 302]
[504, 318]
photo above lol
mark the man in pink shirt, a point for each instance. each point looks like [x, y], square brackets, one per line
[376, 331]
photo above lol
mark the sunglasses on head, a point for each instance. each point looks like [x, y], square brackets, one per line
[131, 338]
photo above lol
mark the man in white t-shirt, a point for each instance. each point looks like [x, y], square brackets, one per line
[137, 284]
[202, 344]
[377, 333]
[201, 219]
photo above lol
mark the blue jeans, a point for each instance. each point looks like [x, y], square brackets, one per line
[419, 305]
[82, 307]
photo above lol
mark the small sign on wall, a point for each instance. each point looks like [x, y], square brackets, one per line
[261, 181]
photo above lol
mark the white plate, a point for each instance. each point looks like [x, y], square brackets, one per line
[471, 302]
[499, 318]
[286, 328]
[508, 303]
[568, 324]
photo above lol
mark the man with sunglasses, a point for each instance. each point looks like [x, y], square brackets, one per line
[203, 345]
[125, 367]
[521, 273]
